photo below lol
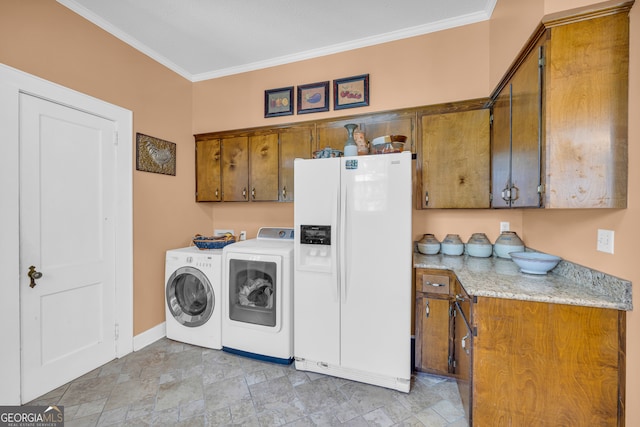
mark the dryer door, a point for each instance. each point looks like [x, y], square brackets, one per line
[190, 296]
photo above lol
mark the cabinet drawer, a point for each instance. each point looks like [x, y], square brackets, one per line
[434, 283]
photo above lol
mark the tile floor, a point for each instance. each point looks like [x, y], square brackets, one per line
[174, 384]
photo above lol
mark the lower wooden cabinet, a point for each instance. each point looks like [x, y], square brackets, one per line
[521, 363]
[434, 322]
[547, 364]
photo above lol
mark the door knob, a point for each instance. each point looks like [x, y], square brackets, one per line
[33, 275]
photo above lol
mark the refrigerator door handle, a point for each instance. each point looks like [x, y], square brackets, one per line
[344, 227]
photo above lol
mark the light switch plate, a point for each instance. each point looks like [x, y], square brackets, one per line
[504, 226]
[605, 241]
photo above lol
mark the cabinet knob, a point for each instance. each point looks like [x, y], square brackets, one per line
[427, 309]
[253, 193]
[284, 192]
[244, 193]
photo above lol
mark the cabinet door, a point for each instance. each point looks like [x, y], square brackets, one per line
[294, 144]
[546, 364]
[501, 150]
[208, 187]
[432, 334]
[456, 160]
[462, 349]
[586, 109]
[263, 163]
[235, 169]
[516, 147]
[526, 133]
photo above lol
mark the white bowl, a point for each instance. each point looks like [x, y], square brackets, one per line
[535, 262]
[428, 248]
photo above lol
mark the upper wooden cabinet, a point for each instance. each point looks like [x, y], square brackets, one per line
[517, 138]
[263, 167]
[560, 116]
[249, 165]
[294, 143]
[235, 169]
[455, 157]
[208, 179]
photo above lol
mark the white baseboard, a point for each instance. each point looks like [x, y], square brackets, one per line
[149, 336]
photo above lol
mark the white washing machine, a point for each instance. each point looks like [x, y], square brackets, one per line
[193, 289]
[257, 317]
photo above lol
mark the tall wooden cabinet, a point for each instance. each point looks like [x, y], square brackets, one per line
[560, 116]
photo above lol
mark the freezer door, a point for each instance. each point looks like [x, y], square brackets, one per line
[376, 264]
[316, 293]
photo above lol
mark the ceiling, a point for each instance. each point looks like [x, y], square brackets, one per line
[204, 39]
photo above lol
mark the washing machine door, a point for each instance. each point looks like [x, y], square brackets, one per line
[190, 296]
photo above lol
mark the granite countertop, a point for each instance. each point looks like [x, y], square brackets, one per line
[568, 283]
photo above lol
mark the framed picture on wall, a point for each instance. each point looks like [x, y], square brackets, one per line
[278, 102]
[313, 98]
[155, 155]
[351, 92]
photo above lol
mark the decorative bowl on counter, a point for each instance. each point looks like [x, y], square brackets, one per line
[535, 262]
[428, 245]
[479, 246]
[507, 242]
[452, 245]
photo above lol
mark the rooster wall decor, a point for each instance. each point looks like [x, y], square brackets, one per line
[155, 155]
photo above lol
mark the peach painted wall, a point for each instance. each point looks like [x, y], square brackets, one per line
[457, 64]
[46, 39]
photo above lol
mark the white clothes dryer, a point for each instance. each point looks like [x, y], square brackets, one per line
[257, 317]
[193, 290]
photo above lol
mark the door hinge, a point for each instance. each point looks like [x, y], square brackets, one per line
[117, 332]
[452, 311]
[115, 137]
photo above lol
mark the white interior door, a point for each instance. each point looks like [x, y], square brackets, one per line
[67, 232]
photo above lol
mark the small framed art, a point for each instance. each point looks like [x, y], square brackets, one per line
[278, 102]
[155, 155]
[313, 98]
[351, 92]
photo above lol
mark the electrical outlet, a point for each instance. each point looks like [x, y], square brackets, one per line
[504, 226]
[605, 241]
[243, 235]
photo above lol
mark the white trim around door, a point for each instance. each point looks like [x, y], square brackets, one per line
[12, 83]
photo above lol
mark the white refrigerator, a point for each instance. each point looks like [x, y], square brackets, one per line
[353, 264]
